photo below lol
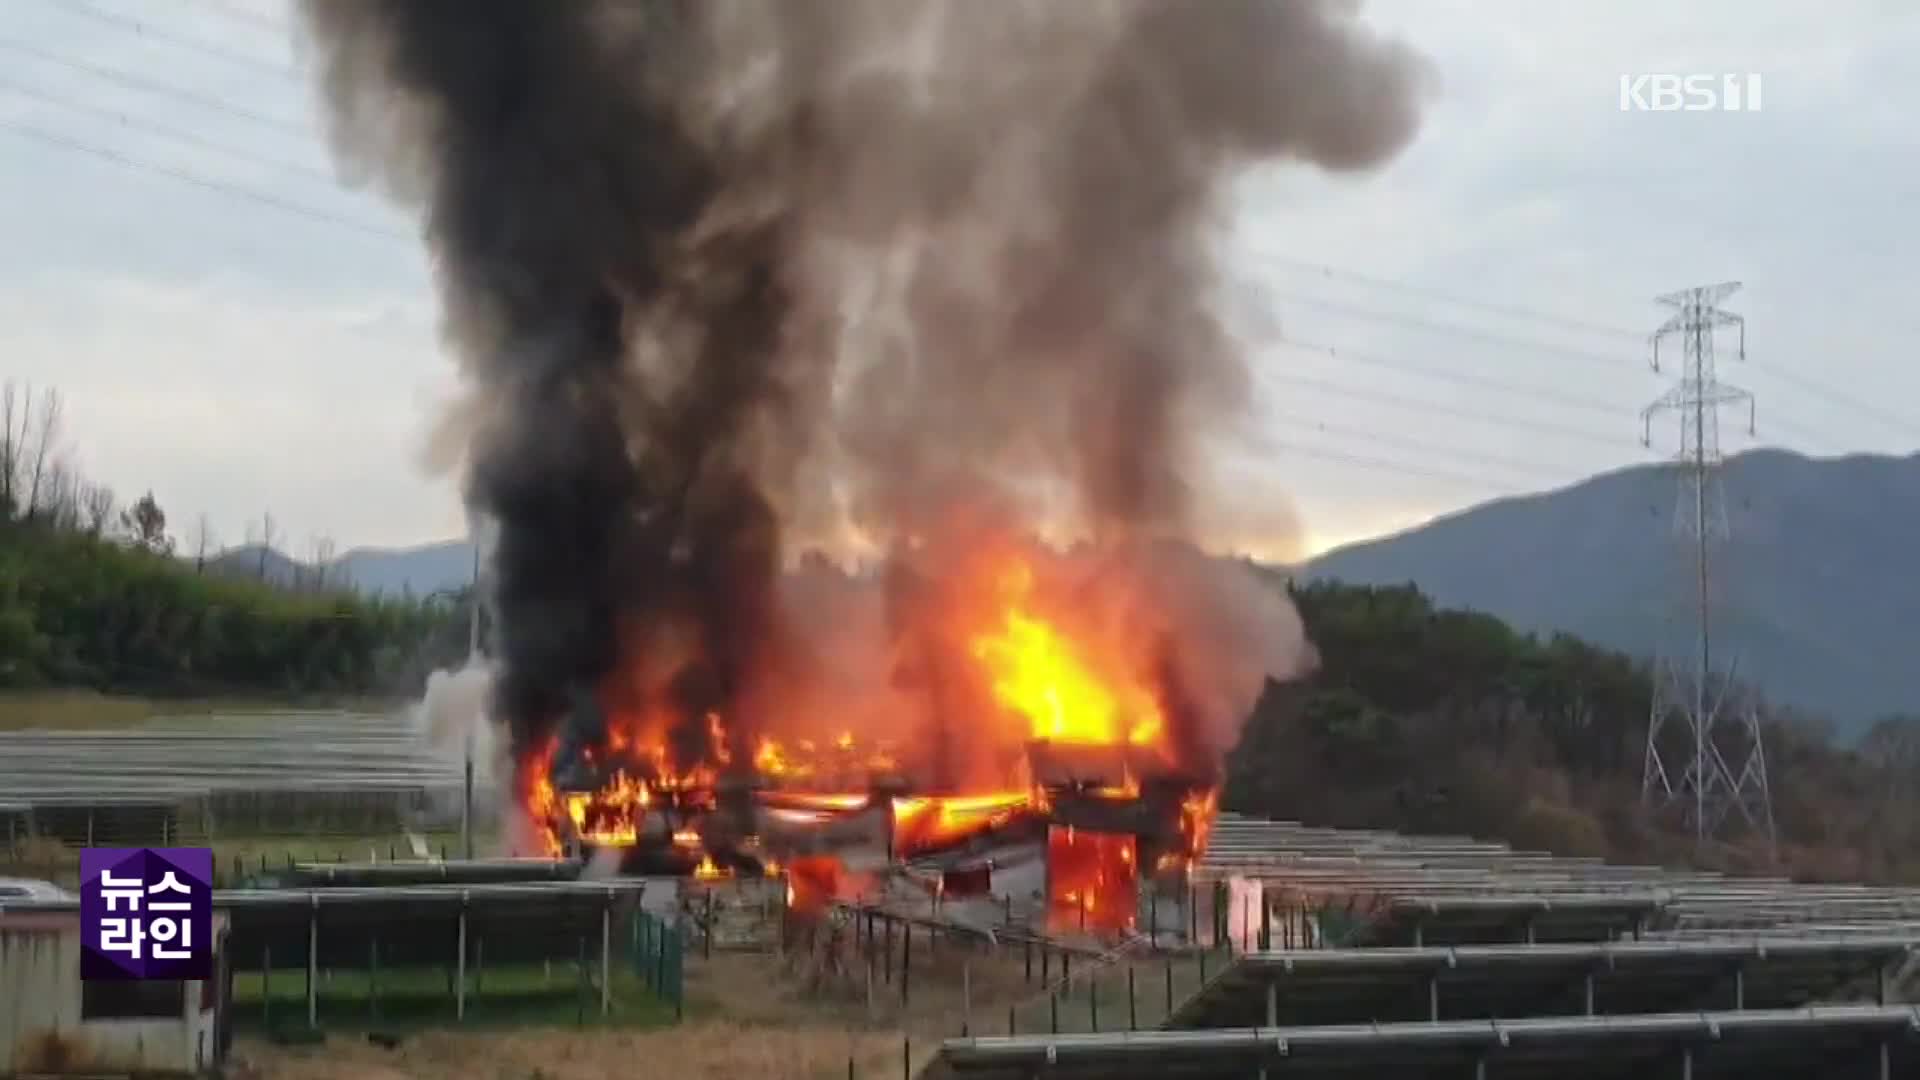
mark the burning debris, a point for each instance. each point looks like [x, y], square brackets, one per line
[918, 282]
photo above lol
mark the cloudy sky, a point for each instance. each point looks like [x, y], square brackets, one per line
[243, 332]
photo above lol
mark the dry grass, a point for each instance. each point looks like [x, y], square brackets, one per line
[76, 710]
[746, 1019]
[695, 1050]
[70, 709]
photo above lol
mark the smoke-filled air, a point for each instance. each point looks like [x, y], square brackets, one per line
[926, 285]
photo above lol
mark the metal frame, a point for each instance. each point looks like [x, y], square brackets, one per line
[1757, 1044]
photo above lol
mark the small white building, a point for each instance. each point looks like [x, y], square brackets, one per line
[53, 1023]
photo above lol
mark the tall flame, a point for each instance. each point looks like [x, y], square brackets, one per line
[1056, 682]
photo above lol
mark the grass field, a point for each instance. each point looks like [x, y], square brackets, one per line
[744, 1018]
[415, 998]
[77, 710]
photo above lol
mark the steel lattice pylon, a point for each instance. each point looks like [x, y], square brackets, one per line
[1726, 770]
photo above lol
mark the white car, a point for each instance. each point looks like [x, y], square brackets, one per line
[28, 889]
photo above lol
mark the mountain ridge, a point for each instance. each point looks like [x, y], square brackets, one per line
[1810, 596]
[1814, 605]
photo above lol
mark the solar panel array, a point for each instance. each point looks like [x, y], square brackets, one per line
[183, 779]
[1414, 886]
[1448, 956]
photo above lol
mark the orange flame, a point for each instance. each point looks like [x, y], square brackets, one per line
[1066, 691]
[924, 822]
[1044, 668]
[1092, 880]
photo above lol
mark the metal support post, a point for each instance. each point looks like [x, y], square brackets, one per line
[460, 972]
[966, 998]
[606, 954]
[313, 961]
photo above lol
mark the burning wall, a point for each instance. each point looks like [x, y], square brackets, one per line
[928, 279]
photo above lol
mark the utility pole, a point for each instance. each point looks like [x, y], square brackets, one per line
[1721, 729]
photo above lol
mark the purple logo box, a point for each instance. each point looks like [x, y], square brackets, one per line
[146, 913]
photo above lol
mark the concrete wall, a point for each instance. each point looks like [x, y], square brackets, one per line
[41, 1030]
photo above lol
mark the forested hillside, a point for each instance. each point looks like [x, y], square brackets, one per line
[92, 596]
[1812, 593]
[1429, 720]
[78, 611]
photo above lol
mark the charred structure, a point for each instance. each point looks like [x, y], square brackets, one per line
[920, 281]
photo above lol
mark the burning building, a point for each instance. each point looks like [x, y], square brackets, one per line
[925, 285]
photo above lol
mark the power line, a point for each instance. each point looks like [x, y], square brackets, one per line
[1337, 273]
[1906, 425]
[1423, 446]
[165, 130]
[145, 30]
[1613, 442]
[1483, 382]
[241, 14]
[186, 176]
[1379, 464]
[150, 86]
[1458, 329]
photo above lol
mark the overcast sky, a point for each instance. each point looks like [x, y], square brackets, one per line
[237, 329]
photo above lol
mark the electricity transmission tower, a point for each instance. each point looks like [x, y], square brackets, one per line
[1722, 729]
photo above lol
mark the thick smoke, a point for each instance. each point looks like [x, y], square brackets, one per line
[730, 275]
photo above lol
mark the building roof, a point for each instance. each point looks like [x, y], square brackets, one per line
[1334, 986]
[1754, 1045]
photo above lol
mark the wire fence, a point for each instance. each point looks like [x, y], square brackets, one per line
[657, 951]
[397, 979]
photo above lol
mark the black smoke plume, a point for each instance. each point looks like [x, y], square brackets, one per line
[732, 275]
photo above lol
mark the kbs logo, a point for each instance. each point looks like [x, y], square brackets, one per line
[1689, 93]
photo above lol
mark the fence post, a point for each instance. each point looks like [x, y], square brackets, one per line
[460, 975]
[660, 958]
[643, 949]
[966, 998]
[1093, 1000]
[1133, 1013]
[580, 983]
[313, 960]
[606, 955]
[906, 960]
